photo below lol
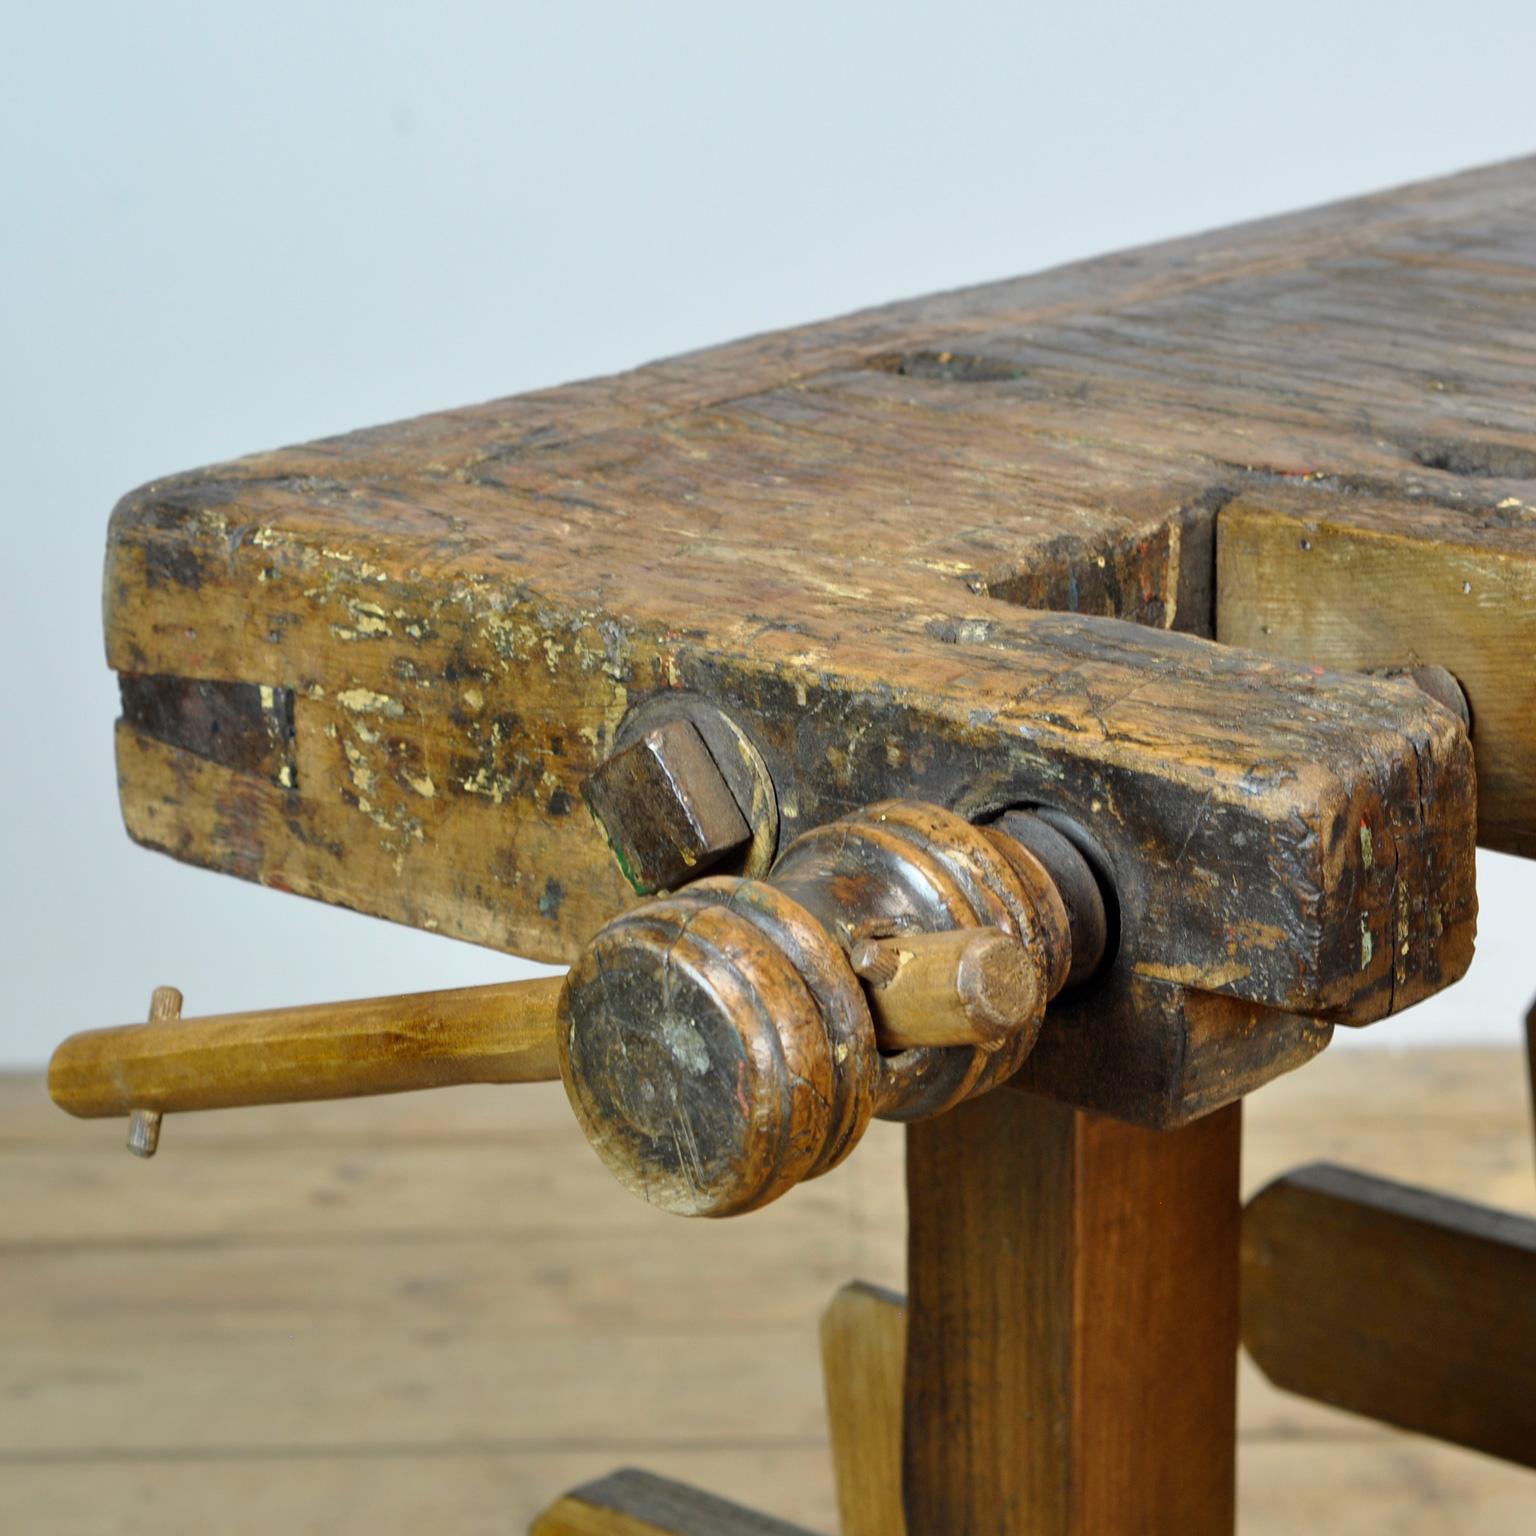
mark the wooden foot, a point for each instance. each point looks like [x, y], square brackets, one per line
[633, 1503]
[863, 1357]
[1072, 1326]
[1407, 1306]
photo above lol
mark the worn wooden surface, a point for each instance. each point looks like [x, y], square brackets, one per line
[438, 1312]
[463, 608]
[1072, 1323]
[1396, 1302]
[863, 1367]
[1366, 581]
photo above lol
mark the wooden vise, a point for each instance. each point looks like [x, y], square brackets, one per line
[1013, 689]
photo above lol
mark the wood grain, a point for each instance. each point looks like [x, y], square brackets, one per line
[1072, 1324]
[863, 1365]
[1361, 582]
[717, 1046]
[502, 1033]
[1395, 1302]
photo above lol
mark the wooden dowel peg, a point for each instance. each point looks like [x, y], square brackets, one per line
[965, 986]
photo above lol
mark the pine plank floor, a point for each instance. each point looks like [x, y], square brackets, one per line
[438, 1312]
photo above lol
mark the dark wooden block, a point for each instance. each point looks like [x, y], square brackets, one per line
[1406, 1306]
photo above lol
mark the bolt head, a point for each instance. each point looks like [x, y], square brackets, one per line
[666, 809]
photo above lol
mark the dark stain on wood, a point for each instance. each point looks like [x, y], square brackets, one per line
[238, 725]
[172, 565]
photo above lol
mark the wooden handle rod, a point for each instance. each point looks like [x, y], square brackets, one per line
[497, 1034]
[965, 987]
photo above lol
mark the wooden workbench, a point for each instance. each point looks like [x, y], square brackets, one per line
[1164, 546]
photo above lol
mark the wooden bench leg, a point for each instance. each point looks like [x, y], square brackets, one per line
[1072, 1324]
[863, 1360]
[632, 1503]
[1076, 1368]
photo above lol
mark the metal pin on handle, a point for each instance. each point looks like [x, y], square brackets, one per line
[144, 1132]
[144, 1124]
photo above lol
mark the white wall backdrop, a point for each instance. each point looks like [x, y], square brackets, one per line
[227, 227]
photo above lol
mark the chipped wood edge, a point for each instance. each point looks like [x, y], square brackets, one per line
[630, 1502]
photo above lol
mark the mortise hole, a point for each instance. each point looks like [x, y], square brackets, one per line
[951, 367]
[1475, 459]
[960, 631]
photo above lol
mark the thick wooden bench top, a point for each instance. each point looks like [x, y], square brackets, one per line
[377, 668]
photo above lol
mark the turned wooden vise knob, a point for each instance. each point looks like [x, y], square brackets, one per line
[723, 1044]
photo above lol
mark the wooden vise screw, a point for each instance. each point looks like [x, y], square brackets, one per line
[718, 1045]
